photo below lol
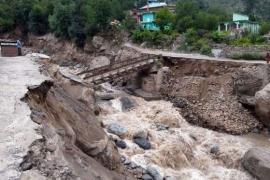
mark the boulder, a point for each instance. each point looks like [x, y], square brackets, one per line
[257, 162]
[117, 129]
[153, 172]
[149, 83]
[121, 144]
[214, 149]
[142, 143]
[147, 177]
[248, 81]
[262, 105]
[97, 41]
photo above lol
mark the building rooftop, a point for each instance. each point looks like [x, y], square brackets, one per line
[154, 5]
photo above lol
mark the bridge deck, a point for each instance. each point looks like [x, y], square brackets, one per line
[109, 72]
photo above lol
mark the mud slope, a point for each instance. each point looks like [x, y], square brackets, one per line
[215, 94]
[74, 144]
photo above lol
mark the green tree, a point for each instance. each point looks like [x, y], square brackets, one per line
[22, 9]
[185, 14]
[60, 20]
[77, 27]
[117, 10]
[103, 13]
[164, 18]
[38, 20]
[206, 21]
[6, 17]
[130, 23]
[265, 28]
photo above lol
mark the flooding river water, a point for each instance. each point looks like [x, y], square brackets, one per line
[183, 151]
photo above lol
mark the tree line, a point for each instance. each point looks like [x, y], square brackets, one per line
[70, 19]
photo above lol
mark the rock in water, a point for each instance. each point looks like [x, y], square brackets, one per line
[214, 149]
[257, 162]
[142, 143]
[153, 172]
[147, 177]
[117, 129]
[121, 144]
[127, 104]
[262, 105]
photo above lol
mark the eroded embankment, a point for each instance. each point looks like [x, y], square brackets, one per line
[216, 95]
[74, 145]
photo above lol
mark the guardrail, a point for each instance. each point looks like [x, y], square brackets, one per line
[114, 65]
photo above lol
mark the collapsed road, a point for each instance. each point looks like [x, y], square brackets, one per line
[17, 130]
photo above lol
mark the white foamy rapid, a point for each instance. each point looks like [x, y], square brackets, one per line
[183, 151]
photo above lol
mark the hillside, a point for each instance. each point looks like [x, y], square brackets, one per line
[258, 7]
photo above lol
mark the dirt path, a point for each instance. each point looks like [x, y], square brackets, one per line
[17, 130]
[187, 56]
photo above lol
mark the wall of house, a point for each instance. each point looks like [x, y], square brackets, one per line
[148, 17]
[254, 28]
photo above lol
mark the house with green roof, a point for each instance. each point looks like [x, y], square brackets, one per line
[240, 23]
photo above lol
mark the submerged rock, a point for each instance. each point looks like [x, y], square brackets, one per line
[127, 104]
[257, 162]
[142, 143]
[117, 129]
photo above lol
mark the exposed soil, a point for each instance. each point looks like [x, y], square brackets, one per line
[209, 93]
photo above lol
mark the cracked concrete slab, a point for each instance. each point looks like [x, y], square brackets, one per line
[17, 130]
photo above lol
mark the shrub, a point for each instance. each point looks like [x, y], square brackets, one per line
[242, 42]
[200, 43]
[256, 39]
[247, 56]
[156, 38]
[206, 50]
[142, 35]
[191, 36]
[220, 37]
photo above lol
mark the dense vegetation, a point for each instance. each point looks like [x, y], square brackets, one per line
[72, 19]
